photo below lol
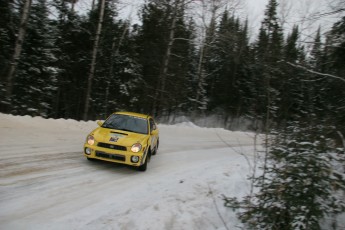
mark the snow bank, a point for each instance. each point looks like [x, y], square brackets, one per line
[46, 183]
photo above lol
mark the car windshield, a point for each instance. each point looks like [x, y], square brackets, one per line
[126, 123]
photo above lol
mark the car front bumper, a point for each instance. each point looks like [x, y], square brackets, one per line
[122, 156]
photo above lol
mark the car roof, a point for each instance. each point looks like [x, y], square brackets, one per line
[134, 114]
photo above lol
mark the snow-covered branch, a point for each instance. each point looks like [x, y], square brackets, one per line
[342, 139]
[315, 72]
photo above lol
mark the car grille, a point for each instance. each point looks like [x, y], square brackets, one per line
[111, 146]
[110, 156]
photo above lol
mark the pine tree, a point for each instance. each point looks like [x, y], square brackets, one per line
[151, 42]
[117, 76]
[334, 95]
[177, 68]
[268, 77]
[302, 183]
[316, 52]
[163, 50]
[302, 172]
[72, 50]
[205, 57]
[35, 83]
[293, 91]
[8, 24]
[228, 84]
[8, 27]
[95, 51]
[192, 78]
[17, 50]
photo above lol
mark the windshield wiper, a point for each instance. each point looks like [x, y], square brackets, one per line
[123, 129]
[108, 126]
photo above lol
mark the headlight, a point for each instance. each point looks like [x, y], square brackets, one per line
[90, 140]
[136, 147]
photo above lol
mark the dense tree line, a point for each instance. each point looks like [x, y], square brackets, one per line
[66, 65]
[157, 67]
[302, 183]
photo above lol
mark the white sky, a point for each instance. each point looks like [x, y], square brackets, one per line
[292, 12]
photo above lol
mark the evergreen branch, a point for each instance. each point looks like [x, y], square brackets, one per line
[316, 72]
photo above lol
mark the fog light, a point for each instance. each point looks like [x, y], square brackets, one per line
[87, 151]
[135, 159]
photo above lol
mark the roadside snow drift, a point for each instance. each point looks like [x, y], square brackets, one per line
[47, 183]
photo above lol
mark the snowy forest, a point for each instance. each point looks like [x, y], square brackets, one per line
[56, 63]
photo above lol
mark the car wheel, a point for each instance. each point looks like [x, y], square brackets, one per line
[144, 166]
[156, 148]
[154, 151]
[90, 159]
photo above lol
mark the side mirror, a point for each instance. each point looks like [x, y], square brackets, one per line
[100, 123]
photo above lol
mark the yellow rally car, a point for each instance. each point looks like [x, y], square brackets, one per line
[126, 138]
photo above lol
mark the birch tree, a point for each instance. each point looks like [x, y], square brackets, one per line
[35, 86]
[17, 51]
[115, 51]
[208, 17]
[161, 83]
[207, 26]
[165, 43]
[93, 60]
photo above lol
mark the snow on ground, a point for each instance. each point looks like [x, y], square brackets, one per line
[47, 183]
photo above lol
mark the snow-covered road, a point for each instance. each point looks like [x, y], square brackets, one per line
[46, 182]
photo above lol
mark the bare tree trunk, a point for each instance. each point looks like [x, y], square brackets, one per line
[17, 51]
[93, 5]
[93, 62]
[267, 125]
[73, 2]
[200, 75]
[114, 53]
[159, 95]
[209, 37]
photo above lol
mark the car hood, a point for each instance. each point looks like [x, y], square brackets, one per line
[118, 137]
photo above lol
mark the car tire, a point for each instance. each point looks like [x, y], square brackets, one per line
[143, 167]
[154, 152]
[156, 148]
[90, 159]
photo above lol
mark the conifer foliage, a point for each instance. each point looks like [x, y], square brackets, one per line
[35, 85]
[171, 64]
[303, 181]
[142, 67]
